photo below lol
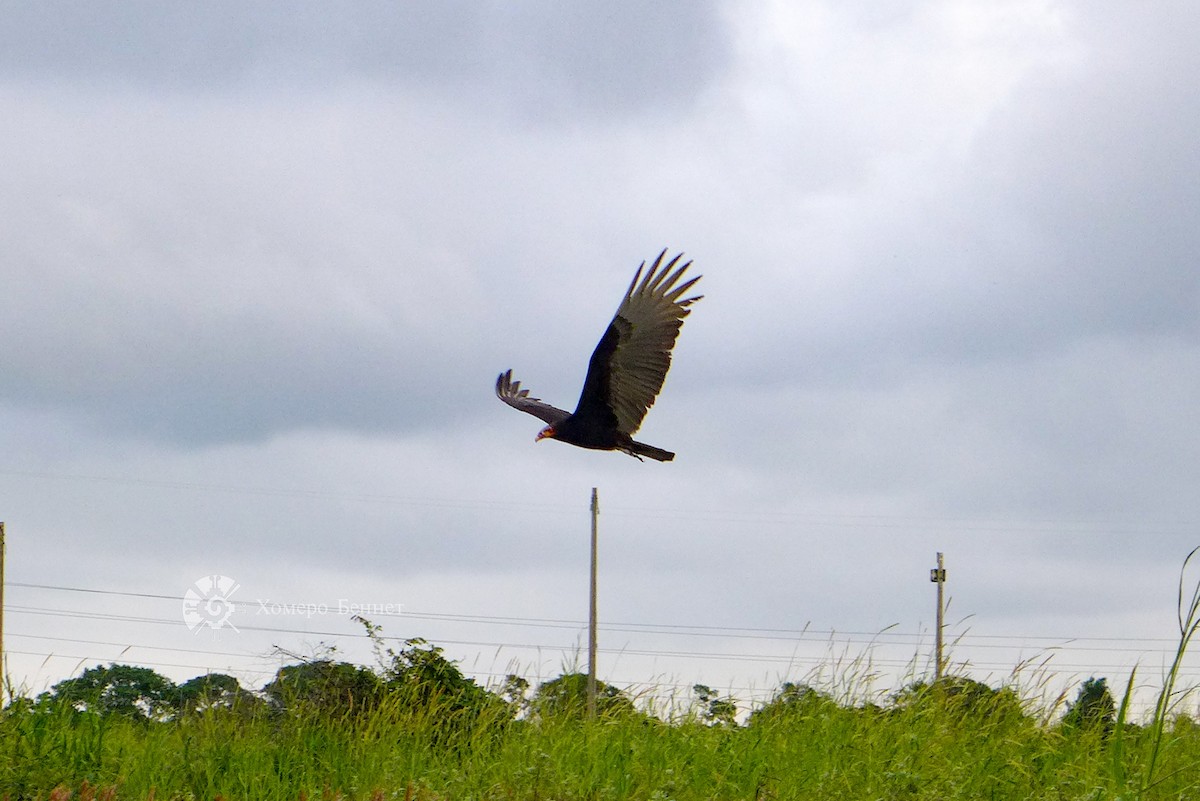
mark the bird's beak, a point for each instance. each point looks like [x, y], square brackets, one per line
[547, 432]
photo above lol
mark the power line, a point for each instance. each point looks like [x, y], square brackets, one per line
[625, 650]
[826, 638]
[795, 660]
[681, 629]
[124, 593]
[132, 646]
[86, 658]
[878, 648]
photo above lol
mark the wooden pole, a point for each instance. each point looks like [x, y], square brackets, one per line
[3, 671]
[938, 575]
[591, 680]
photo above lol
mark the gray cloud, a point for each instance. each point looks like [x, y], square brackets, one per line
[262, 268]
[549, 60]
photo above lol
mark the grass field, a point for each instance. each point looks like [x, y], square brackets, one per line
[418, 729]
[937, 744]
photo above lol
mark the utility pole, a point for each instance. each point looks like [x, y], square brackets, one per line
[3, 672]
[938, 576]
[591, 680]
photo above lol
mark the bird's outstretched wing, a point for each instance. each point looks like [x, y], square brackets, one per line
[511, 393]
[630, 363]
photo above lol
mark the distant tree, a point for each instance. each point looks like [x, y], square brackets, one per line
[134, 692]
[566, 697]
[326, 686]
[715, 710]
[18, 706]
[420, 675]
[1093, 708]
[213, 691]
[961, 696]
[424, 677]
[515, 693]
[793, 700]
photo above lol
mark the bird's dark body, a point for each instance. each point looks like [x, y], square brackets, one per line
[594, 420]
[593, 423]
[625, 373]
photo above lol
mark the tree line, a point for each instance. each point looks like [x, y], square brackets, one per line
[419, 676]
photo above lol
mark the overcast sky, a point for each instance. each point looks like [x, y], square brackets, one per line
[263, 262]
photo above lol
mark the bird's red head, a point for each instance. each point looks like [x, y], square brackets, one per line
[546, 433]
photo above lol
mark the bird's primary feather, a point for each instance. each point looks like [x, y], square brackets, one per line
[511, 393]
[646, 324]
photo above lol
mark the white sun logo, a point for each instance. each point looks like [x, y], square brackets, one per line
[206, 603]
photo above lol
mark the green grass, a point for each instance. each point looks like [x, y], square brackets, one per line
[954, 739]
[933, 748]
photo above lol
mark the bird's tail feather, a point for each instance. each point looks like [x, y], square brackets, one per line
[642, 449]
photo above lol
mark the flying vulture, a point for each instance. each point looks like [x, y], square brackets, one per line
[626, 371]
